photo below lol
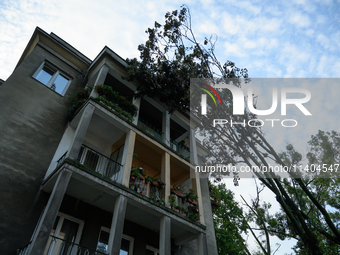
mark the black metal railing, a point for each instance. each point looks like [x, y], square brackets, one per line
[150, 129]
[62, 247]
[23, 250]
[62, 158]
[99, 163]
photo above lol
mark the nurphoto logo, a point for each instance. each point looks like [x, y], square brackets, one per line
[240, 103]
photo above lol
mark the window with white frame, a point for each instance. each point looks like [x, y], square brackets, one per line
[50, 76]
[126, 247]
[151, 250]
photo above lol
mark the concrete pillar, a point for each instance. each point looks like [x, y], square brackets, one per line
[202, 244]
[166, 128]
[46, 222]
[193, 148]
[196, 185]
[100, 79]
[117, 225]
[136, 102]
[165, 236]
[128, 156]
[80, 133]
[165, 176]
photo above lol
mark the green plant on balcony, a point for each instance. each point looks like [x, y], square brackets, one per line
[158, 183]
[192, 197]
[194, 216]
[116, 102]
[75, 102]
[181, 210]
[137, 173]
[179, 191]
[172, 200]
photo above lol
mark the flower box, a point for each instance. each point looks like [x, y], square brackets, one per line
[155, 183]
[175, 209]
[183, 213]
[178, 193]
[190, 200]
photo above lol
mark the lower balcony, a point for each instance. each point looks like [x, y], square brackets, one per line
[62, 246]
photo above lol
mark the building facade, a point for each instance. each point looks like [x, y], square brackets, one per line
[86, 168]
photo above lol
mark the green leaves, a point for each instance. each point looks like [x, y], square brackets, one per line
[170, 57]
[229, 221]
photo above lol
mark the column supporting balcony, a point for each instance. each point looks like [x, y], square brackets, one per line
[166, 128]
[99, 80]
[80, 133]
[47, 220]
[128, 156]
[165, 236]
[165, 176]
[117, 225]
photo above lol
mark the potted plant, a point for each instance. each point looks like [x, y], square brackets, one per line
[194, 217]
[132, 185]
[155, 182]
[161, 185]
[135, 173]
[183, 211]
[172, 201]
[192, 197]
[177, 190]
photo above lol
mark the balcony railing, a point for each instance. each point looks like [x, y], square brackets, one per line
[58, 246]
[151, 130]
[99, 163]
[180, 149]
[146, 188]
[23, 250]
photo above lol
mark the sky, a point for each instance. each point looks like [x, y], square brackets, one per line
[272, 39]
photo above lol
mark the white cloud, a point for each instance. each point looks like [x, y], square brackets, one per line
[300, 20]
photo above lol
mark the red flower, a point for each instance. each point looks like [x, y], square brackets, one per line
[135, 183]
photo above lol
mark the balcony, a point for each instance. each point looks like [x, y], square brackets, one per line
[97, 163]
[180, 149]
[59, 246]
[150, 130]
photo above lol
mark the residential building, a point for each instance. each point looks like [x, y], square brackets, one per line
[86, 168]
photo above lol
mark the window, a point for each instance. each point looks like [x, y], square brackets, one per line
[151, 250]
[52, 78]
[65, 235]
[126, 247]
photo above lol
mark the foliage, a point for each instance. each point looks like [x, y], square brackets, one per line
[114, 100]
[171, 56]
[77, 100]
[191, 194]
[323, 217]
[229, 221]
[137, 171]
[172, 200]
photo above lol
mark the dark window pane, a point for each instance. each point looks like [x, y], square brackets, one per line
[124, 248]
[103, 241]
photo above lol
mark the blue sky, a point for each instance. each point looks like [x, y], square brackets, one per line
[294, 38]
[273, 39]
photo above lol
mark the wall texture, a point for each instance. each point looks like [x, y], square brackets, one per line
[32, 121]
